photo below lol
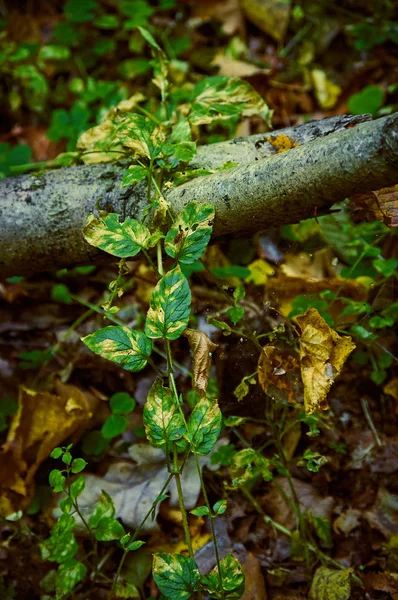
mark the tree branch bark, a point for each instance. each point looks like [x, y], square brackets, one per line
[41, 216]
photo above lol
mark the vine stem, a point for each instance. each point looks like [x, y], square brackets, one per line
[134, 537]
[211, 519]
[177, 476]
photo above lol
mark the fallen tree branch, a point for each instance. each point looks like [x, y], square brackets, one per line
[41, 216]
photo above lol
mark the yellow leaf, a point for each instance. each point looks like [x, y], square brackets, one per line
[202, 348]
[329, 584]
[42, 422]
[326, 91]
[271, 16]
[260, 270]
[322, 355]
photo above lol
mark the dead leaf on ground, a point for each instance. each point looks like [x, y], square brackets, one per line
[232, 67]
[271, 16]
[228, 12]
[310, 499]
[347, 521]
[255, 584]
[322, 355]
[279, 368]
[381, 204]
[383, 516]
[202, 348]
[391, 388]
[43, 421]
[135, 487]
[382, 582]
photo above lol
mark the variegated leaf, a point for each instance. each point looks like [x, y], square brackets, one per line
[127, 347]
[233, 580]
[169, 309]
[176, 576]
[190, 233]
[204, 425]
[163, 420]
[119, 239]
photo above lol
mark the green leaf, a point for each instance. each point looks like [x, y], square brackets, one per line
[220, 507]
[231, 271]
[175, 575]
[181, 132]
[190, 233]
[135, 174]
[94, 444]
[68, 576]
[184, 151]
[204, 425]
[67, 458]
[368, 100]
[235, 314]
[135, 545]
[170, 304]
[150, 39]
[119, 239]
[329, 584]
[57, 480]
[114, 426]
[54, 52]
[108, 529]
[66, 505]
[163, 420]
[127, 347]
[61, 545]
[221, 98]
[323, 528]
[56, 453]
[77, 487]
[248, 464]
[122, 403]
[103, 507]
[107, 22]
[233, 580]
[78, 465]
[200, 511]
[386, 266]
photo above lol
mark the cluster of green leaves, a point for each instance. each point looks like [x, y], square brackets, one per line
[102, 526]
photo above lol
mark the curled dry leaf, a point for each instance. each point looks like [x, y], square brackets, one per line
[42, 422]
[381, 204]
[322, 355]
[279, 369]
[202, 348]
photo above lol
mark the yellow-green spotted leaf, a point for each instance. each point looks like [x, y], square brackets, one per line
[221, 98]
[119, 239]
[204, 425]
[329, 584]
[163, 420]
[190, 233]
[233, 580]
[170, 307]
[176, 576]
[127, 347]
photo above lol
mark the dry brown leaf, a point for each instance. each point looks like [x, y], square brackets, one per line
[226, 11]
[279, 368]
[255, 584]
[42, 422]
[322, 355]
[381, 204]
[202, 348]
[231, 67]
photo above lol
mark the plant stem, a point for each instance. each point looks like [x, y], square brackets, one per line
[211, 519]
[177, 476]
